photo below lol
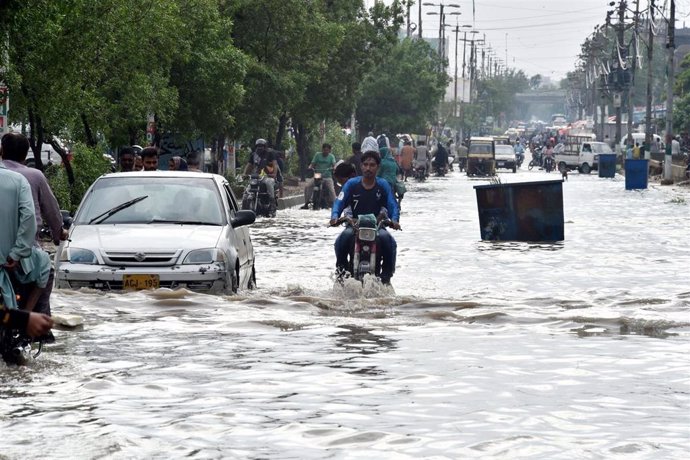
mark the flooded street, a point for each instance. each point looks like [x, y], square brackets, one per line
[484, 350]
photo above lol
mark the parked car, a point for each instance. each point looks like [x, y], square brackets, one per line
[505, 157]
[140, 230]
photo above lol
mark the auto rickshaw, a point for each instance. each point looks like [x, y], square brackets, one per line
[481, 157]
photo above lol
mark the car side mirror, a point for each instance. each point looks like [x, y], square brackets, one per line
[244, 217]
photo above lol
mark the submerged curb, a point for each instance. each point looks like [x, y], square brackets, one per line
[290, 201]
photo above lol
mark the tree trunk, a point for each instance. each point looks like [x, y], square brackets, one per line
[90, 140]
[35, 138]
[63, 154]
[132, 136]
[282, 123]
[302, 149]
[217, 152]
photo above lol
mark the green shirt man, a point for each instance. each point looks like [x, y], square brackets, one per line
[324, 162]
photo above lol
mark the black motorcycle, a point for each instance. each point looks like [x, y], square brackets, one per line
[519, 158]
[15, 346]
[257, 199]
[319, 196]
[419, 173]
[549, 163]
[536, 158]
[440, 170]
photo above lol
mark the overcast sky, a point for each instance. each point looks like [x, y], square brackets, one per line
[540, 36]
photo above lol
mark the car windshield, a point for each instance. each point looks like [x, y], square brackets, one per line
[168, 200]
[506, 149]
[601, 147]
[480, 148]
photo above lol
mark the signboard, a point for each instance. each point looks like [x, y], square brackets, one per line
[150, 129]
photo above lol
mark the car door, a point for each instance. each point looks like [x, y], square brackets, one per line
[245, 251]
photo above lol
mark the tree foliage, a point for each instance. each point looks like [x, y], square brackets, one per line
[402, 93]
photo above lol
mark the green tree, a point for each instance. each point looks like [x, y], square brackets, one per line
[496, 95]
[403, 92]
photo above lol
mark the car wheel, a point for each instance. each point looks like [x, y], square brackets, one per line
[562, 166]
[252, 279]
[235, 282]
[514, 168]
[585, 168]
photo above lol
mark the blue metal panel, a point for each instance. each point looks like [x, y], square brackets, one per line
[526, 211]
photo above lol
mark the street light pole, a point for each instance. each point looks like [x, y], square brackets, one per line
[631, 86]
[618, 57]
[650, 68]
[455, 78]
[671, 46]
[440, 31]
[420, 19]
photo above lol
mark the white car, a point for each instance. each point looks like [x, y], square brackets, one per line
[505, 157]
[142, 230]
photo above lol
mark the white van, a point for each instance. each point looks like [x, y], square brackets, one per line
[638, 138]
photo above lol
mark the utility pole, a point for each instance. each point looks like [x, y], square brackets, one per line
[670, 46]
[473, 65]
[455, 78]
[650, 68]
[631, 87]
[440, 31]
[409, 31]
[619, 58]
[420, 19]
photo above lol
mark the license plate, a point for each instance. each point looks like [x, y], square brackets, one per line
[501, 163]
[138, 282]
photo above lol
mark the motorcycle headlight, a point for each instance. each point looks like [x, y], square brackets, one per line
[367, 234]
[204, 256]
[78, 256]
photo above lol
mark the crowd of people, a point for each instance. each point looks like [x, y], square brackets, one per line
[135, 158]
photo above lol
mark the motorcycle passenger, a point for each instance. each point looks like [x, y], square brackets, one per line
[323, 163]
[370, 143]
[356, 158]
[548, 154]
[422, 157]
[263, 162]
[389, 169]
[367, 194]
[407, 159]
[441, 157]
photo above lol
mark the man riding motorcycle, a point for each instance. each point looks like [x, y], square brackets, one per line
[520, 152]
[367, 194]
[264, 161]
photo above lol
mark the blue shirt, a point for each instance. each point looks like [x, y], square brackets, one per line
[363, 201]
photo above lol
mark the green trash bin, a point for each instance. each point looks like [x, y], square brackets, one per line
[607, 165]
[636, 174]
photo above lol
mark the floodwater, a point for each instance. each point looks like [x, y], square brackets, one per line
[484, 350]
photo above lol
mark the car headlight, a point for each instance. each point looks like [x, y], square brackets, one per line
[78, 256]
[204, 256]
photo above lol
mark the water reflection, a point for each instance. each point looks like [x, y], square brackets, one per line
[519, 246]
[356, 347]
